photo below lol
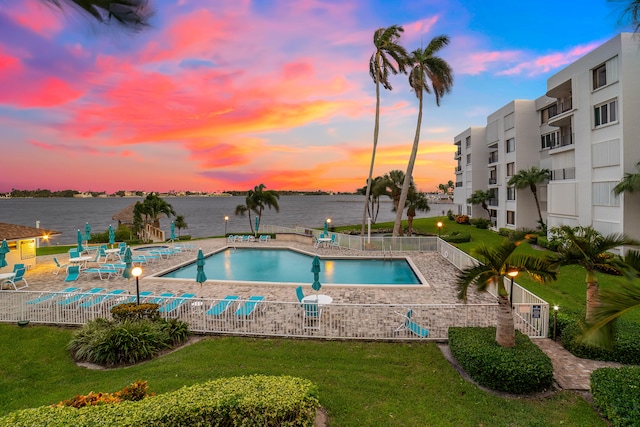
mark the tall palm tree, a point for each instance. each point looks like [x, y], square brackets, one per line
[391, 185]
[633, 11]
[481, 197]
[131, 14]
[388, 55]
[416, 201]
[496, 264]
[531, 178]
[586, 247]
[629, 184]
[264, 199]
[427, 69]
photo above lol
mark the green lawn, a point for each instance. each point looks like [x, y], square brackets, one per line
[360, 383]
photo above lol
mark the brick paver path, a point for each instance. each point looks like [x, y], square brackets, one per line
[570, 372]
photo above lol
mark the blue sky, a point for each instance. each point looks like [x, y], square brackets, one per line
[220, 95]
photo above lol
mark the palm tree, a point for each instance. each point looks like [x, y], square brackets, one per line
[373, 207]
[391, 185]
[387, 55]
[496, 264]
[152, 207]
[531, 178]
[427, 69]
[633, 10]
[180, 223]
[131, 14]
[416, 201]
[481, 197]
[586, 247]
[629, 184]
[264, 199]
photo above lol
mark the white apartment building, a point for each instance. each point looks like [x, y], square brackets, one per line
[585, 130]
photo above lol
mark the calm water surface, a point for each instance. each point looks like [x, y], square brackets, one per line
[204, 215]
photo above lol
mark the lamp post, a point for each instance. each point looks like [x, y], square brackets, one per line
[555, 320]
[439, 225]
[512, 274]
[136, 272]
[226, 220]
[327, 223]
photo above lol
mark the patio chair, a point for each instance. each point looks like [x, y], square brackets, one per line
[334, 243]
[77, 297]
[108, 272]
[47, 296]
[175, 303]
[134, 298]
[162, 298]
[101, 298]
[17, 267]
[58, 266]
[249, 307]
[73, 253]
[17, 279]
[73, 272]
[299, 293]
[311, 312]
[222, 306]
[412, 326]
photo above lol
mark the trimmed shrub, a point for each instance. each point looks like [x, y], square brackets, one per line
[258, 400]
[504, 232]
[616, 393]
[481, 223]
[457, 237]
[521, 369]
[625, 349]
[450, 215]
[185, 237]
[133, 311]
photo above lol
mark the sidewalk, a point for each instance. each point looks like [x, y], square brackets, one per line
[570, 372]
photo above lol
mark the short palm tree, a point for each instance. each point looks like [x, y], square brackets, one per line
[391, 185]
[429, 72]
[373, 207]
[180, 223]
[264, 199]
[389, 57]
[416, 201]
[132, 14]
[496, 264]
[481, 197]
[531, 178]
[586, 247]
[629, 184]
[152, 207]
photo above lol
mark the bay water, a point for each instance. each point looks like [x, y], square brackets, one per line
[204, 215]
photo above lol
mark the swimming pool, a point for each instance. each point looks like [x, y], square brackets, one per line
[289, 266]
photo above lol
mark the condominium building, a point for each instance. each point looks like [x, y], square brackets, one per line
[585, 130]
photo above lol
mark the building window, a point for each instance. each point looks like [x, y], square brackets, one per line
[468, 159]
[511, 217]
[511, 167]
[511, 145]
[468, 210]
[468, 142]
[599, 76]
[603, 194]
[511, 193]
[549, 140]
[509, 121]
[605, 113]
[547, 113]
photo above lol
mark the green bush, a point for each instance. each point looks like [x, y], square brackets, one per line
[450, 215]
[481, 223]
[625, 349]
[616, 393]
[257, 400]
[133, 311]
[457, 237]
[504, 232]
[113, 343]
[185, 237]
[521, 369]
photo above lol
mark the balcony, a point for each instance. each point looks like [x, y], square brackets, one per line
[563, 141]
[493, 181]
[560, 174]
[458, 170]
[493, 157]
[459, 184]
[562, 107]
[493, 202]
[458, 154]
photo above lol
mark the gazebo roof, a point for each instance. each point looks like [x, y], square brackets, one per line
[16, 232]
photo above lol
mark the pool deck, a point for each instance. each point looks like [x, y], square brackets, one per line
[438, 272]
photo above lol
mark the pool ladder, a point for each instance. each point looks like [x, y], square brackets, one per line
[384, 253]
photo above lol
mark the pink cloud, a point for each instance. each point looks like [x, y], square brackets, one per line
[37, 16]
[546, 63]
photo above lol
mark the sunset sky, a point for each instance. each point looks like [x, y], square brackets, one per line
[223, 95]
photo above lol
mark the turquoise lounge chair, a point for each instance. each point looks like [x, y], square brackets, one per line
[175, 303]
[222, 305]
[77, 297]
[58, 265]
[412, 326]
[134, 298]
[109, 272]
[249, 306]
[101, 298]
[73, 272]
[162, 298]
[50, 295]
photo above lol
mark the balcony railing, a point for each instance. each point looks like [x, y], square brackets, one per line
[493, 202]
[560, 174]
[458, 169]
[493, 181]
[458, 184]
[563, 141]
[493, 157]
[562, 107]
[458, 153]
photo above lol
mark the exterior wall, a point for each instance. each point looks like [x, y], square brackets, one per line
[21, 251]
[470, 176]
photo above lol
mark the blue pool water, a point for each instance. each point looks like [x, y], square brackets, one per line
[283, 265]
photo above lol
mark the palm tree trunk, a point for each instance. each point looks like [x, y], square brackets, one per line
[535, 196]
[376, 128]
[505, 329]
[397, 226]
[409, 225]
[593, 295]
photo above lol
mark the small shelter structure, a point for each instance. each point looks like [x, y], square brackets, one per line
[23, 241]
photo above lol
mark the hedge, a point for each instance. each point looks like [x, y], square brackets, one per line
[521, 369]
[457, 237]
[616, 393]
[257, 400]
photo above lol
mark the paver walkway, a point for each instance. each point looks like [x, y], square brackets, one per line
[570, 372]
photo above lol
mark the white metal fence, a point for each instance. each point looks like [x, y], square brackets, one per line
[286, 319]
